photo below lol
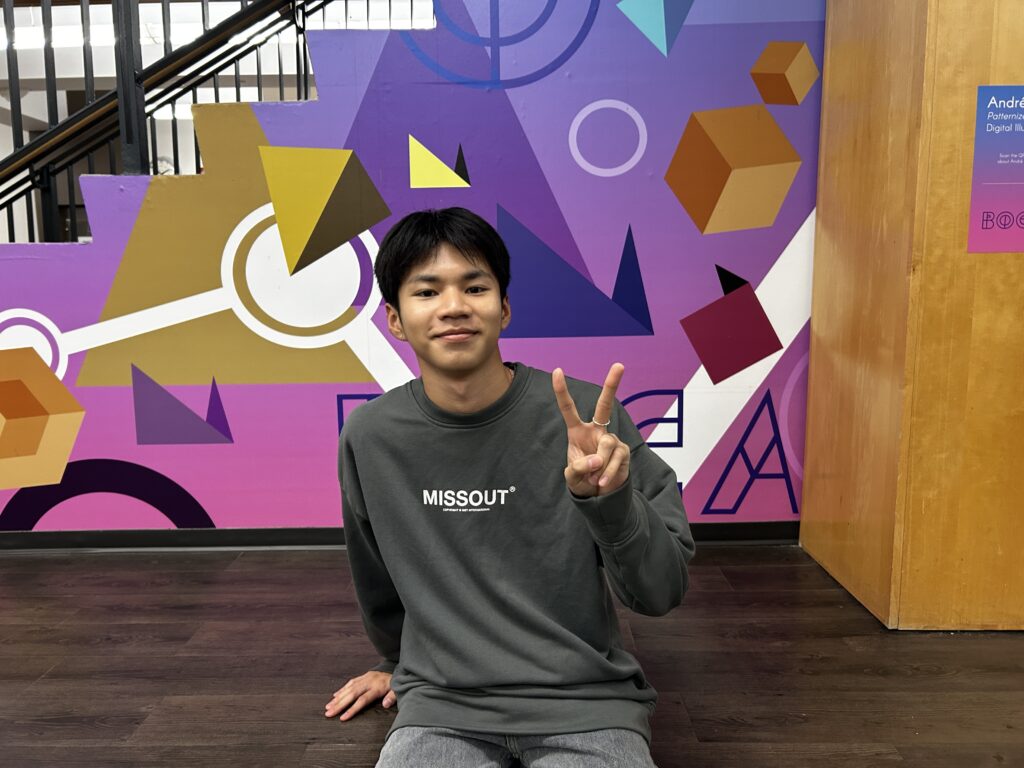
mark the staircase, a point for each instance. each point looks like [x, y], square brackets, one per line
[113, 98]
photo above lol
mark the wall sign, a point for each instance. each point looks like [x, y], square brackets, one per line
[997, 190]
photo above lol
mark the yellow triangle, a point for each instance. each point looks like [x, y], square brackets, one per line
[300, 181]
[426, 170]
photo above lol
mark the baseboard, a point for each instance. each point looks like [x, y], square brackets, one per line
[782, 532]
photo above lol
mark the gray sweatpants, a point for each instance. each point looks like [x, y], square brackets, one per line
[421, 747]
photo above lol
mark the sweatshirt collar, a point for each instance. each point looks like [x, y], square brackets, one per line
[477, 418]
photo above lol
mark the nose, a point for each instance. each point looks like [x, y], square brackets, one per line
[453, 303]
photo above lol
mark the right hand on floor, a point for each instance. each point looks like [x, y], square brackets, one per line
[359, 693]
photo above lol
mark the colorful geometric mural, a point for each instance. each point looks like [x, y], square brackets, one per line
[651, 168]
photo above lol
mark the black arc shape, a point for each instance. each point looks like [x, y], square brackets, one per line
[27, 507]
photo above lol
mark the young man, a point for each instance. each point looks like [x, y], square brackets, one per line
[480, 503]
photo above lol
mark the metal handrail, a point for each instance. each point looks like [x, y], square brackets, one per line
[77, 127]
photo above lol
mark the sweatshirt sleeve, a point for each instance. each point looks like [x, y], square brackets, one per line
[380, 606]
[641, 528]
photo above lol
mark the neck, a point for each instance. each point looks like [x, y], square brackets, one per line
[467, 393]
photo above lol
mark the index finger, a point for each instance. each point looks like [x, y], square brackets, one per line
[603, 409]
[565, 401]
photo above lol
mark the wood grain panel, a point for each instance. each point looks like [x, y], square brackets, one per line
[867, 186]
[963, 527]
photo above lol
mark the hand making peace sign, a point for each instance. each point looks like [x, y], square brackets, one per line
[597, 461]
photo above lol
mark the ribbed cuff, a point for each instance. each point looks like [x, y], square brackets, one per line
[611, 518]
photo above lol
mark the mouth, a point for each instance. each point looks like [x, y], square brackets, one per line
[456, 335]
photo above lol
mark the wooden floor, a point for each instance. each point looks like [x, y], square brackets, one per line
[226, 658]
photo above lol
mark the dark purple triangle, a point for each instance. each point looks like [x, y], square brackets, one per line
[215, 415]
[550, 298]
[162, 419]
[629, 290]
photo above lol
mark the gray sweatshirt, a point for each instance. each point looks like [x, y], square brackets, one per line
[479, 575]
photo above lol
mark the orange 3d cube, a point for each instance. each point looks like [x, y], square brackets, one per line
[784, 72]
[732, 169]
[39, 421]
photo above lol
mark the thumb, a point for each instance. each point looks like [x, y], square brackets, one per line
[389, 699]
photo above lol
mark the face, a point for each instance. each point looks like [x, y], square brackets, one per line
[451, 313]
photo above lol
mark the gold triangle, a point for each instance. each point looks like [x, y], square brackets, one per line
[301, 181]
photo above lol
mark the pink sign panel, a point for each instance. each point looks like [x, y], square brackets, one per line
[997, 192]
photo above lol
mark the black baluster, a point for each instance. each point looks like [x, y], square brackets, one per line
[152, 146]
[165, 18]
[49, 68]
[72, 205]
[195, 136]
[30, 215]
[174, 139]
[280, 69]
[90, 80]
[12, 77]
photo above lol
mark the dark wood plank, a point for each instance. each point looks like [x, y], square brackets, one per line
[811, 670]
[962, 755]
[227, 658]
[758, 755]
[134, 638]
[216, 638]
[120, 756]
[340, 756]
[993, 717]
[280, 605]
[312, 584]
[778, 577]
[679, 632]
[158, 675]
[708, 578]
[306, 559]
[750, 554]
[257, 719]
[781, 605]
[19, 610]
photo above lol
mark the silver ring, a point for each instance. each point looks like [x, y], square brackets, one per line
[600, 424]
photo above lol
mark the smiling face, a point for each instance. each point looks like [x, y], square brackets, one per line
[452, 313]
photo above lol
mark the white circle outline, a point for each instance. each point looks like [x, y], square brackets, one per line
[43, 320]
[588, 110]
[271, 297]
[272, 334]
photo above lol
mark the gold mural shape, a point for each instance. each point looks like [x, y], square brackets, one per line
[175, 252]
[322, 199]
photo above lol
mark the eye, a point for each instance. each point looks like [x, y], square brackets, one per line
[424, 292]
[477, 288]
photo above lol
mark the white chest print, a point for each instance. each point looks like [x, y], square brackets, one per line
[466, 500]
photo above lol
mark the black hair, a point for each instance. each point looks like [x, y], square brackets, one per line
[417, 237]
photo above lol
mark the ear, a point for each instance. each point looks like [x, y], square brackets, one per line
[506, 313]
[395, 323]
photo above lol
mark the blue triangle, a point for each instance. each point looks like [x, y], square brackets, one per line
[550, 299]
[629, 290]
[676, 12]
[649, 17]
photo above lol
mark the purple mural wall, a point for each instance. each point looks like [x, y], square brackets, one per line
[651, 166]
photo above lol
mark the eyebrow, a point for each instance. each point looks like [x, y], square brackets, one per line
[475, 274]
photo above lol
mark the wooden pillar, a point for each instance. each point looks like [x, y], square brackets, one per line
[914, 468]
